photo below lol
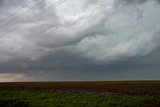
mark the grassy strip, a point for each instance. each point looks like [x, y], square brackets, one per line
[52, 99]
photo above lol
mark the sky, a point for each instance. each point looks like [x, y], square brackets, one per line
[79, 40]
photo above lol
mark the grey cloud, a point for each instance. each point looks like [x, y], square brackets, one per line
[132, 1]
[83, 40]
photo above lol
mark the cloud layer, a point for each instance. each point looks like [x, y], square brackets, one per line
[81, 39]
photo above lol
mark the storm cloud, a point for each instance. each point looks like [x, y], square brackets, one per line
[79, 40]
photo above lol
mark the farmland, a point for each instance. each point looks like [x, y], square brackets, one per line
[80, 94]
[103, 87]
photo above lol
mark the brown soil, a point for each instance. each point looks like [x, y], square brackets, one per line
[103, 87]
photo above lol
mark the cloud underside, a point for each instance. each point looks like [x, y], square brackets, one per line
[88, 39]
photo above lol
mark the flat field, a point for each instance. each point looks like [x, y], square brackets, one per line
[80, 94]
[101, 87]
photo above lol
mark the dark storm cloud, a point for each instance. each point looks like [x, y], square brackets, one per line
[82, 40]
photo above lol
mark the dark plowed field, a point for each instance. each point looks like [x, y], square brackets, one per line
[105, 87]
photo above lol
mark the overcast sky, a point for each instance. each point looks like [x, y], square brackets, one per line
[79, 40]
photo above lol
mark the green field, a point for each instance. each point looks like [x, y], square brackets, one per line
[55, 99]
